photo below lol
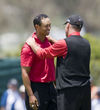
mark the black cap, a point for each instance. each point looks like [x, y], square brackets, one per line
[75, 20]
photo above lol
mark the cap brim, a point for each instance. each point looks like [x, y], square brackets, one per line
[65, 23]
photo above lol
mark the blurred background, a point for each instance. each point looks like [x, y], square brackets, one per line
[16, 25]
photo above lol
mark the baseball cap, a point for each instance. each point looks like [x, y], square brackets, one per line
[13, 81]
[75, 20]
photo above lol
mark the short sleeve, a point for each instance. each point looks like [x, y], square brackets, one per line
[27, 56]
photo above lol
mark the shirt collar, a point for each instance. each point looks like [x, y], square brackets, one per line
[35, 36]
[74, 33]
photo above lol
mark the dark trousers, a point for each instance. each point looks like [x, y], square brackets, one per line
[45, 94]
[74, 98]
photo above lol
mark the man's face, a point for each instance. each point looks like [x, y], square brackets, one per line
[45, 26]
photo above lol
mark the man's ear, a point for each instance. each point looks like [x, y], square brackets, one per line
[68, 25]
[36, 26]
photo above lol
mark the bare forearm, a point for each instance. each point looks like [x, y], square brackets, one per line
[27, 83]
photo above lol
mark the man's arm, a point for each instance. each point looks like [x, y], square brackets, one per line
[26, 80]
[3, 101]
[27, 84]
[26, 64]
[59, 48]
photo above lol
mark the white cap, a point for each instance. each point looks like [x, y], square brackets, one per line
[22, 88]
[13, 82]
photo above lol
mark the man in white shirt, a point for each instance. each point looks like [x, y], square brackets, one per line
[96, 102]
[10, 95]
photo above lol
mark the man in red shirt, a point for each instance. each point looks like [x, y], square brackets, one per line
[39, 74]
[72, 70]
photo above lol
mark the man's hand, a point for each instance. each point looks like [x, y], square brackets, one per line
[50, 39]
[30, 41]
[32, 99]
[33, 102]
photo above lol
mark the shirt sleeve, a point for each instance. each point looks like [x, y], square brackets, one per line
[4, 99]
[57, 49]
[27, 56]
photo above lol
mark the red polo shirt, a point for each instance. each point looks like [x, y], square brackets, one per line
[42, 70]
[57, 49]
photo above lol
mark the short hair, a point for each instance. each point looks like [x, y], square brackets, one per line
[37, 19]
[76, 27]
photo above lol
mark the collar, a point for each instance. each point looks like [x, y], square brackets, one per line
[35, 36]
[74, 33]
